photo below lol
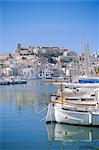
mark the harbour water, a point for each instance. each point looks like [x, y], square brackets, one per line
[22, 123]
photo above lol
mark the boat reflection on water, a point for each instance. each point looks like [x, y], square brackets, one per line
[63, 132]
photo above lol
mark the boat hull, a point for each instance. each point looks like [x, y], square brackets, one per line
[89, 81]
[95, 119]
[60, 115]
[72, 117]
[50, 117]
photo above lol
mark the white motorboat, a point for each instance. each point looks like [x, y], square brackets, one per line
[75, 110]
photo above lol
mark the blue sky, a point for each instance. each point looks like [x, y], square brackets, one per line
[53, 23]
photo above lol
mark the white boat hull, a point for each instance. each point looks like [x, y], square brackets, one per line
[72, 117]
[50, 114]
[95, 119]
[57, 114]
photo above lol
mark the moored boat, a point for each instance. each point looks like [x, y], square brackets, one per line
[78, 111]
[86, 79]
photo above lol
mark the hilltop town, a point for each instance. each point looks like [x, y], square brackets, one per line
[47, 61]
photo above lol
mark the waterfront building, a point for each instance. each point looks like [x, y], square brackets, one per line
[4, 57]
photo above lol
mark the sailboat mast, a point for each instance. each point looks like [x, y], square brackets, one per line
[87, 59]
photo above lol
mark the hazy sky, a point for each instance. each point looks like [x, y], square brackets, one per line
[53, 23]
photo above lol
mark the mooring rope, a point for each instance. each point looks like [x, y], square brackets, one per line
[42, 110]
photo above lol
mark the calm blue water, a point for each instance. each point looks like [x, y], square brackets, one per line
[22, 127]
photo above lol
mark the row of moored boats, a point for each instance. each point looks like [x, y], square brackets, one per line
[12, 81]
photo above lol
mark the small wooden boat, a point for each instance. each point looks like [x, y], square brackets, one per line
[79, 111]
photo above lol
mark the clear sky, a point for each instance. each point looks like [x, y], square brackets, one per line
[52, 23]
